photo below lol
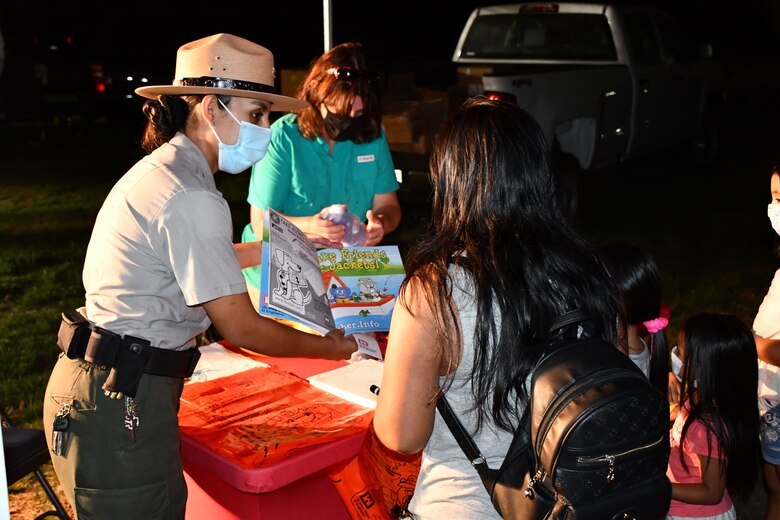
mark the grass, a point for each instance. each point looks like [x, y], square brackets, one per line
[50, 193]
[45, 220]
[707, 229]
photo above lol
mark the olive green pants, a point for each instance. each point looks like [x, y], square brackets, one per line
[104, 473]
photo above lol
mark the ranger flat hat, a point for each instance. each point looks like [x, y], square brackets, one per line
[228, 65]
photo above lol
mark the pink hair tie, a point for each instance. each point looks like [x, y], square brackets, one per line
[656, 325]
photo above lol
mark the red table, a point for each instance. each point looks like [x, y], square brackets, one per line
[295, 487]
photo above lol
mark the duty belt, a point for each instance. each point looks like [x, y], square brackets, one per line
[128, 357]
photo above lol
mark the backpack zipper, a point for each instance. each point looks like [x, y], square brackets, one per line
[610, 458]
[529, 489]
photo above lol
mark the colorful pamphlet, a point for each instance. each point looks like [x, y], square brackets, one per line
[352, 288]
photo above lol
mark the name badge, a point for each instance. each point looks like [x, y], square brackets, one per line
[365, 158]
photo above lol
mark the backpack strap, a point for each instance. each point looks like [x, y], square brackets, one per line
[573, 317]
[465, 441]
[514, 474]
[561, 328]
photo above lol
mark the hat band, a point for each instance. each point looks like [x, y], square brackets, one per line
[212, 82]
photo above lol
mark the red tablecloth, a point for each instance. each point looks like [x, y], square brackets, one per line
[259, 443]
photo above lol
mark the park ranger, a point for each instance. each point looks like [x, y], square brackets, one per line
[160, 268]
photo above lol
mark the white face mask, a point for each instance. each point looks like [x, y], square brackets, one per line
[251, 146]
[676, 365]
[773, 211]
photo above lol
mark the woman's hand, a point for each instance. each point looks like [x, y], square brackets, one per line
[320, 242]
[375, 229]
[318, 226]
[383, 217]
[323, 233]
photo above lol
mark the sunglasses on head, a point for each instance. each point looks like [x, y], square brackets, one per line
[347, 73]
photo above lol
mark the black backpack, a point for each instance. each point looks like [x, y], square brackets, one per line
[593, 443]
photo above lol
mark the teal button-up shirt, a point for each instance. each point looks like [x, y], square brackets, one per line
[299, 177]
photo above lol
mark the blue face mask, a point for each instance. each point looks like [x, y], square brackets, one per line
[251, 146]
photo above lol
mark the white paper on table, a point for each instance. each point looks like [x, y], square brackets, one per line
[352, 382]
[217, 361]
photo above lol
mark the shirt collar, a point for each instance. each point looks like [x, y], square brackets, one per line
[201, 169]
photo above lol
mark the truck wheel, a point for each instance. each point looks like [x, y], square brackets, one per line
[567, 173]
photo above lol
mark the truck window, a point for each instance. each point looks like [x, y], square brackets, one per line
[561, 36]
[674, 44]
[641, 38]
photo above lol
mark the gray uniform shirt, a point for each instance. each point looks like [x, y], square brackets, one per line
[161, 246]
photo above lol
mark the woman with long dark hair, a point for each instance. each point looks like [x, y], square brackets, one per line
[501, 263]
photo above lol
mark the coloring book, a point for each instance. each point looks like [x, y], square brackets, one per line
[353, 288]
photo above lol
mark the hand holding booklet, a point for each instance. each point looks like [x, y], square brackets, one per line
[352, 288]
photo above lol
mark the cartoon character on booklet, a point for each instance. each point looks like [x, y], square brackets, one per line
[340, 294]
[290, 280]
[369, 290]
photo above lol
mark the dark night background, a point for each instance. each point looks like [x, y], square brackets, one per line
[661, 205]
[403, 30]
[419, 35]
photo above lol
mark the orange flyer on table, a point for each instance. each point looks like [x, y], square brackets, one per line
[378, 483]
[263, 414]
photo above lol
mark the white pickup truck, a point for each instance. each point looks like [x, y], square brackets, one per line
[605, 82]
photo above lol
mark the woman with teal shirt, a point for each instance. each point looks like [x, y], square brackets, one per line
[332, 152]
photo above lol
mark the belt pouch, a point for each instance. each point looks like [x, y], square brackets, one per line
[73, 334]
[102, 347]
[131, 358]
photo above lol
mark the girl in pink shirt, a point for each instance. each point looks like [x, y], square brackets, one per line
[715, 446]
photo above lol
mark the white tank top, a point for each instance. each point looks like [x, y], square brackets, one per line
[448, 487]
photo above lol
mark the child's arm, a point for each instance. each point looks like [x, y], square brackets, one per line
[674, 388]
[768, 350]
[713, 482]
[673, 394]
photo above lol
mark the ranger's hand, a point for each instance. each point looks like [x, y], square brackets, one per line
[341, 347]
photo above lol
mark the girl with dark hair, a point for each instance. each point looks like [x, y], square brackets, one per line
[638, 281]
[333, 152]
[501, 263]
[715, 443]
